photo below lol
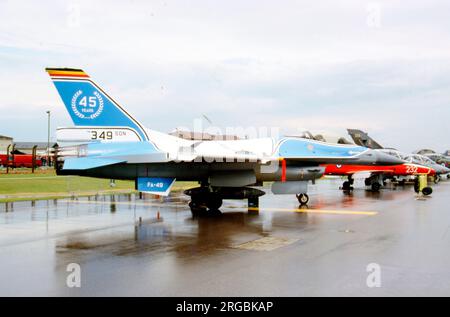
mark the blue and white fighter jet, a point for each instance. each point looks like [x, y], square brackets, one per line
[114, 145]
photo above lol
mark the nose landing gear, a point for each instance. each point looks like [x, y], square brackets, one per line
[437, 179]
[421, 186]
[348, 185]
[303, 199]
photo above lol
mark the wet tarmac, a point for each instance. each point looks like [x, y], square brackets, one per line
[124, 249]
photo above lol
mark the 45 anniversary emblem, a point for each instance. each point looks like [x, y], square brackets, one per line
[85, 106]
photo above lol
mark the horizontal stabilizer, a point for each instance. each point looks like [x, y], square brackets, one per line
[84, 163]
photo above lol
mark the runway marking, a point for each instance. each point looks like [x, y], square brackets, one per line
[265, 244]
[319, 211]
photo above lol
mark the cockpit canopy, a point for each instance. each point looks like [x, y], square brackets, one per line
[324, 138]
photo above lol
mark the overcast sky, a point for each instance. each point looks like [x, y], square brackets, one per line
[381, 66]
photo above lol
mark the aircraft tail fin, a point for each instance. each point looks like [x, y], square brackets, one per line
[363, 139]
[90, 106]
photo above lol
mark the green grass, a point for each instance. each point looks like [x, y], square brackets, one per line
[46, 185]
[40, 183]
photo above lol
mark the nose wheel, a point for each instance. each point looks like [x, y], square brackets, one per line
[348, 185]
[303, 199]
[376, 187]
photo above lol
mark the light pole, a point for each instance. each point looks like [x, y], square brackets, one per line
[48, 138]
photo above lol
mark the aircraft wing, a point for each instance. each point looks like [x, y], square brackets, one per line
[267, 150]
[256, 150]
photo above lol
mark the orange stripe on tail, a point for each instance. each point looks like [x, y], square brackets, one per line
[66, 72]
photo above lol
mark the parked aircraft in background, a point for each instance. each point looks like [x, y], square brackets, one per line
[382, 172]
[363, 139]
[441, 169]
[436, 157]
[120, 147]
[19, 160]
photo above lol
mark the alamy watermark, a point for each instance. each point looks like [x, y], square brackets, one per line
[262, 144]
[74, 277]
[73, 15]
[373, 19]
[374, 277]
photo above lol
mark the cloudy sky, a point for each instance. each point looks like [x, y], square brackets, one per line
[381, 66]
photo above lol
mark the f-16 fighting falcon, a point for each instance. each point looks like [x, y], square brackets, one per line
[117, 146]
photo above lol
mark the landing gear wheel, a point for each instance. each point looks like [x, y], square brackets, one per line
[346, 185]
[197, 207]
[204, 205]
[376, 187]
[427, 191]
[214, 203]
[303, 199]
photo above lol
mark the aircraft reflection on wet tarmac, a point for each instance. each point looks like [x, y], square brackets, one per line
[129, 246]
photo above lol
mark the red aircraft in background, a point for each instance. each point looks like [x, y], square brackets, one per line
[20, 160]
[406, 169]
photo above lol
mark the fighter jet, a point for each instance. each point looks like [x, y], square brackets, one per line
[441, 168]
[441, 159]
[117, 146]
[381, 172]
[363, 139]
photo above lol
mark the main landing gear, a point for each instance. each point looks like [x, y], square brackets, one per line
[374, 182]
[205, 203]
[206, 200]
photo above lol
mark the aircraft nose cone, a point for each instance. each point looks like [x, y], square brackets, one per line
[439, 169]
[386, 159]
